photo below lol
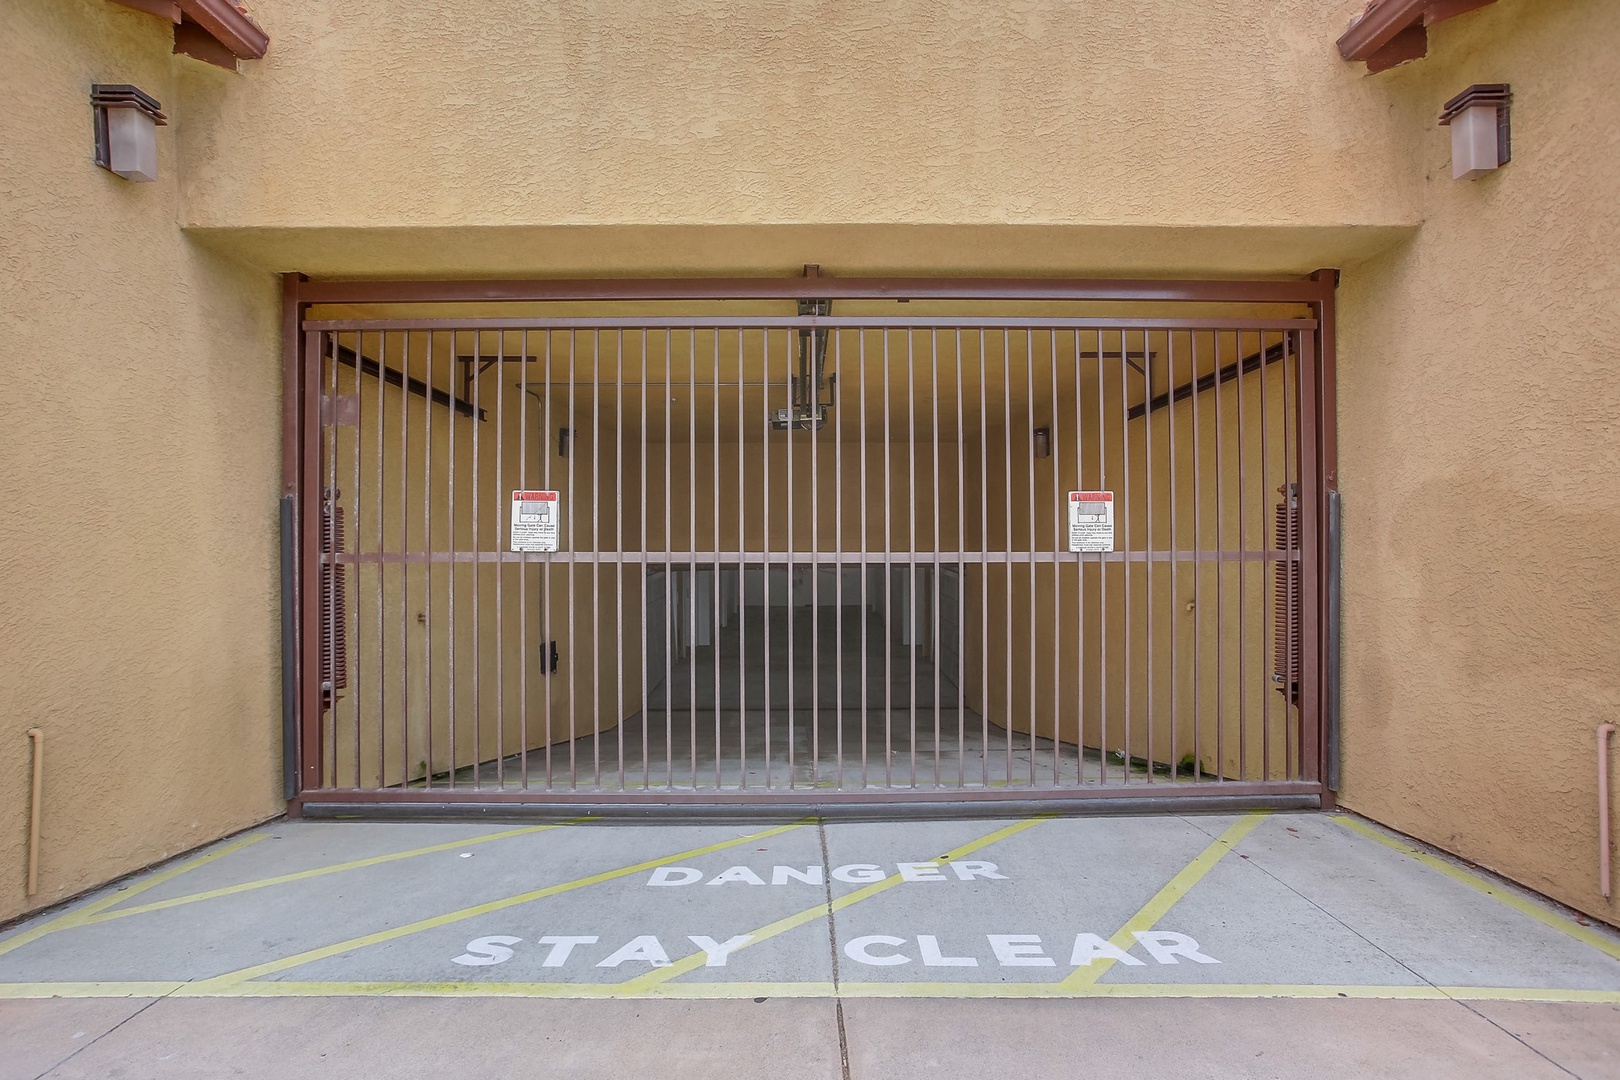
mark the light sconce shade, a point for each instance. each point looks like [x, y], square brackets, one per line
[1043, 442]
[126, 130]
[1478, 118]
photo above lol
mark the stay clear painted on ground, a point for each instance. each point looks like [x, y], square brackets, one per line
[561, 950]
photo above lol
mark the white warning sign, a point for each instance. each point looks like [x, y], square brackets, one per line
[1091, 521]
[536, 516]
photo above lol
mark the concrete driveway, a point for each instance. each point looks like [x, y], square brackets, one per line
[1262, 945]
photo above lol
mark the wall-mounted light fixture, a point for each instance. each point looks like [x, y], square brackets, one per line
[1478, 119]
[126, 130]
[1043, 442]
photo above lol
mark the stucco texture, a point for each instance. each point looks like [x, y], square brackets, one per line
[504, 137]
[138, 472]
[1479, 405]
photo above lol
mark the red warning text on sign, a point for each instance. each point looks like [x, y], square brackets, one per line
[536, 516]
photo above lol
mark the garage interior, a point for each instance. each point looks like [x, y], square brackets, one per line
[824, 550]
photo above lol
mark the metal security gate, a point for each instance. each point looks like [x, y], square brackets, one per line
[809, 559]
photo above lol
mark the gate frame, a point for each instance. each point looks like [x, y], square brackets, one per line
[300, 466]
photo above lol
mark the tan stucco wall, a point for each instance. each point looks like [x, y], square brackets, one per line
[1479, 411]
[508, 137]
[138, 473]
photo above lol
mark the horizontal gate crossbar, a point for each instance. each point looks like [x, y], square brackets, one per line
[704, 559]
[1299, 291]
[890, 796]
[829, 322]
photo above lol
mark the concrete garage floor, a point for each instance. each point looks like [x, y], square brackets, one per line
[1283, 945]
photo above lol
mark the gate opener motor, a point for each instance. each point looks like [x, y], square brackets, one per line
[808, 411]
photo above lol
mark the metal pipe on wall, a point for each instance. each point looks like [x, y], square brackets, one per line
[1605, 883]
[36, 737]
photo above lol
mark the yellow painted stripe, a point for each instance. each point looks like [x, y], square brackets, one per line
[80, 916]
[1167, 897]
[658, 976]
[745, 990]
[17, 991]
[335, 868]
[716, 991]
[270, 967]
[1601, 942]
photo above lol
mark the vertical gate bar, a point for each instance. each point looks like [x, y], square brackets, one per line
[382, 546]
[523, 566]
[1267, 579]
[1052, 442]
[742, 567]
[866, 567]
[1220, 572]
[548, 643]
[1198, 554]
[669, 565]
[312, 713]
[933, 572]
[1125, 481]
[325, 457]
[714, 612]
[911, 539]
[837, 339]
[1174, 610]
[888, 581]
[1289, 439]
[1006, 461]
[1242, 568]
[812, 393]
[596, 561]
[618, 546]
[961, 575]
[572, 567]
[357, 499]
[1147, 545]
[645, 532]
[450, 585]
[427, 588]
[691, 550]
[984, 567]
[1029, 427]
[792, 657]
[478, 574]
[1310, 483]
[331, 567]
[1102, 565]
[404, 575]
[1079, 583]
[765, 539]
[503, 507]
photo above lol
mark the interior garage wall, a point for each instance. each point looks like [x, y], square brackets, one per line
[139, 473]
[1479, 406]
